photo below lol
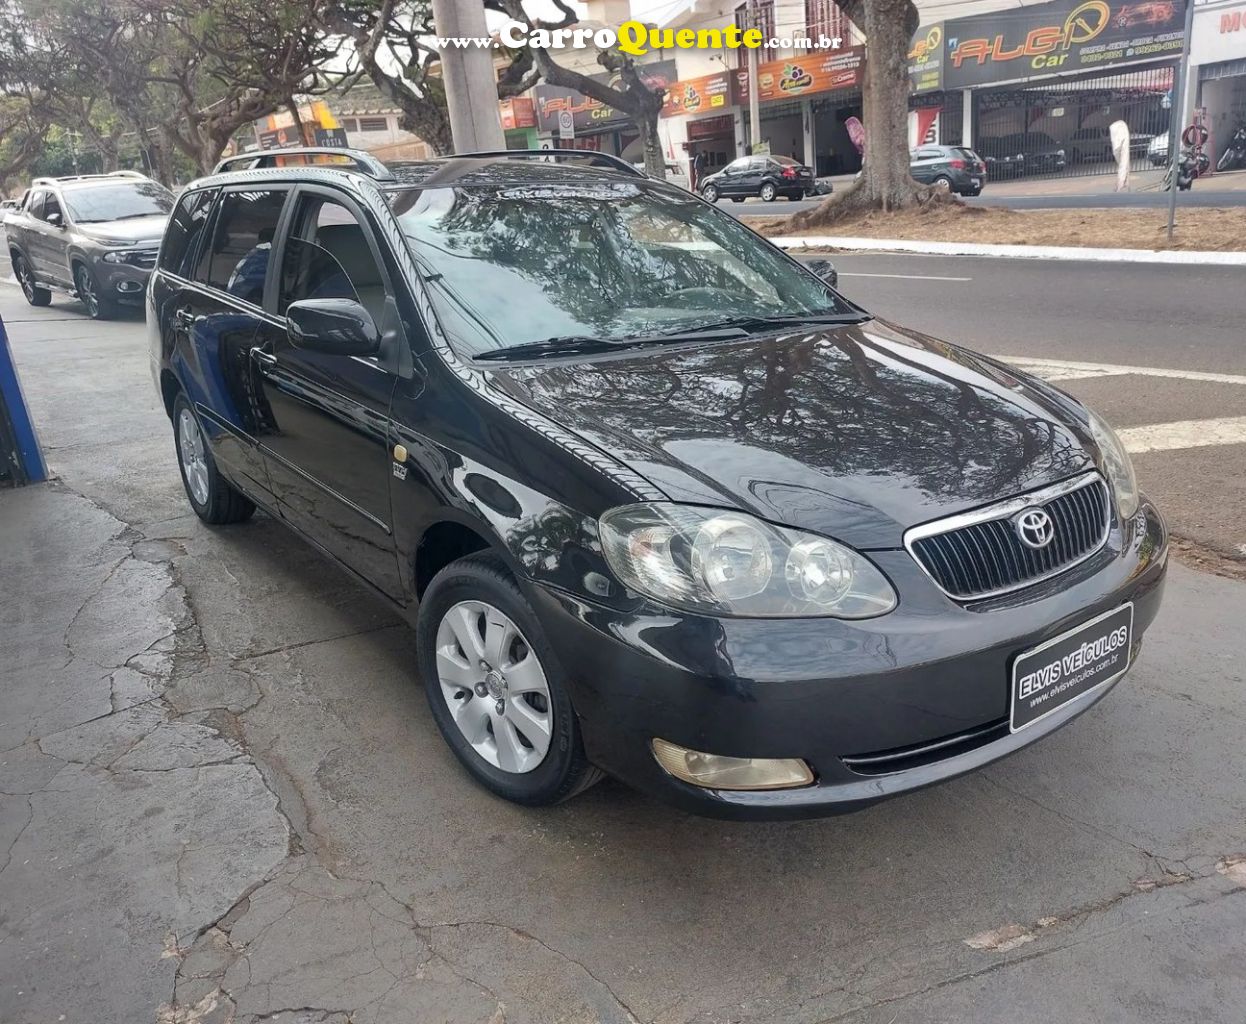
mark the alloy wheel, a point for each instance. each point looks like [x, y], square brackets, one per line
[942, 184]
[194, 458]
[768, 192]
[495, 686]
[86, 290]
[710, 194]
[25, 279]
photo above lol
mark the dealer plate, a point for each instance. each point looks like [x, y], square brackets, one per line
[1066, 667]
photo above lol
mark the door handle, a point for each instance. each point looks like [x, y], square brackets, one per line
[265, 359]
[185, 318]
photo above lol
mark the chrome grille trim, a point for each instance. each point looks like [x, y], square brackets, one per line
[978, 556]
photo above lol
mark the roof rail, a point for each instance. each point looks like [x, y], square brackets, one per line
[585, 156]
[364, 162]
[90, 177]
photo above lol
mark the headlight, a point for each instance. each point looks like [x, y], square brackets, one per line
[1116, 465]
[729, 563]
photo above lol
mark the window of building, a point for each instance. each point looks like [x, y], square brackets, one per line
[763, 20]
[824, 18]
[373, 124]
[238, 259]
[350, 124]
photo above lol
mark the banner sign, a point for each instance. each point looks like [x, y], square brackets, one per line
[698, 95]
[1059, 37]
[711, 127]
[517, 112]
[926, 59]
[800, 76]
[590, 115]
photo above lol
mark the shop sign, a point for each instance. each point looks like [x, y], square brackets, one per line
[1059, 37]
[801, 76]
[926, 59]
[588, 114]
[711, 128]
[698, 95]
[517, 112]
[1219, 34]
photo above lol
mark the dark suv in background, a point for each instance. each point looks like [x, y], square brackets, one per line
[657, 499]
[766, 177]
[94, 235]
[953, 168]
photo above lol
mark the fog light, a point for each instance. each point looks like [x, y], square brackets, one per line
[713, 771]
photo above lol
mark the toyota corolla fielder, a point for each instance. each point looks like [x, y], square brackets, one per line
[657, 499]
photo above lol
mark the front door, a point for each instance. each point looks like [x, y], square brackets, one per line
[55, 244]
[328, 451]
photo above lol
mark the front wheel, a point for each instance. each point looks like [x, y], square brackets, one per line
[35, 295]
[214, 499]
[495, 688]
[768, 192]
[90, 295]
[710, 193]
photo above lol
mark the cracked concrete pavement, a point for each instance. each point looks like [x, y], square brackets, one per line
[222, 799]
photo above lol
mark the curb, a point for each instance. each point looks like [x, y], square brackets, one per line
[1021, 252]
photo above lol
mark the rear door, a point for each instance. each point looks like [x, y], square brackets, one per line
[219, 312]
[926, 163]
[328, 449]
[30, 231]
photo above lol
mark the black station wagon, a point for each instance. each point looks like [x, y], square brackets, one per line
[658, 500]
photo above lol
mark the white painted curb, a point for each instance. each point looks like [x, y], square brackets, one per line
[1023, 252]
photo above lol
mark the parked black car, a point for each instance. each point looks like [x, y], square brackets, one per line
[954, 168]
[658, 501]
[1028, 153]
[1094, 145]
[765, 176]
[93, 235]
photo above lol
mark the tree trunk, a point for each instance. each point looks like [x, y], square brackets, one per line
[885, 182]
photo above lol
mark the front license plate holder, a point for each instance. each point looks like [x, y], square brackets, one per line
[1067, 667]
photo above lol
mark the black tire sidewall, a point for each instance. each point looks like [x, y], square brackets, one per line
[484, 578]
[102, 308]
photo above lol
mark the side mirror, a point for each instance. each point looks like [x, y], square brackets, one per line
[339, 327]
[825, 271]
[55, 219]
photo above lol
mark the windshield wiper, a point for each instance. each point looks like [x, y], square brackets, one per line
[579, 344]
[749, 323]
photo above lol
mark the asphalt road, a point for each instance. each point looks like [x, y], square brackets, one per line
[1088, 201]
[219, 781]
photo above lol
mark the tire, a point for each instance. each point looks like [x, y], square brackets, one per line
[477, 637]
[1227, 159]
[973, 192]
[214, 499]
[35, 295]
[97, 306]
[710, 193]
[768, 192]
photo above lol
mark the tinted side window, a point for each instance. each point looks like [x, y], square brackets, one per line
[34, 203]
[181, 237]
[242, 242]
[330, 259]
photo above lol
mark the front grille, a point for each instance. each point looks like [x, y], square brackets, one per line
[144, 258]
[981, 554]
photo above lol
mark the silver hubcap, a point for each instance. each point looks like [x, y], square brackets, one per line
[194, 462]
[943, 185]
[494, 686]
[768, 192]
[86, 290]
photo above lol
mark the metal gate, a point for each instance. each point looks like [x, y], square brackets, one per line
[1061, 128]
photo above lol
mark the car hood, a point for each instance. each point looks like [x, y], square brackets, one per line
[138, 229]
[855, 432]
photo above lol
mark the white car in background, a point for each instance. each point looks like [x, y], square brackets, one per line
[675, 174]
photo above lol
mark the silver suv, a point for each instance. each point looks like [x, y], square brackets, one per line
[95, 235]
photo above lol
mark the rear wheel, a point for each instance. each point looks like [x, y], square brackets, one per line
[35, 295]
[768, 192]
[710, 193]
[942, 183]
[214, 499]
[91, 295]
[495, 688]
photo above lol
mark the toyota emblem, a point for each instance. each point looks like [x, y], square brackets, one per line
[1035, 528]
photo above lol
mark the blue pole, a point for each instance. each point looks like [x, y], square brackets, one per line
[27, 459]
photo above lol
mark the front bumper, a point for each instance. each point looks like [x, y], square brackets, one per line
[926, 686]
[121, 282]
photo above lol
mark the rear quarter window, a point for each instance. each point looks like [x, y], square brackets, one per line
[181, 237]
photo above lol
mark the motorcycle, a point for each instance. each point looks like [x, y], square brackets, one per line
[1235, 155]
[1193, 164]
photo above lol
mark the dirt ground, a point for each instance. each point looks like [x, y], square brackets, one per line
[1201, 229]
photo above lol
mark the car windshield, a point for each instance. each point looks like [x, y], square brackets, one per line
[516, 265]
[98, 204]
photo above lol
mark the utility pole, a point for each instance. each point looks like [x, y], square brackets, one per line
[754, 107]
[1179, 102]
[471, 89]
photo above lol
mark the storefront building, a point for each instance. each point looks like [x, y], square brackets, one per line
[1218, 61]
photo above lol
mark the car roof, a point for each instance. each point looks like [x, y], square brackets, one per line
[466, 171]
